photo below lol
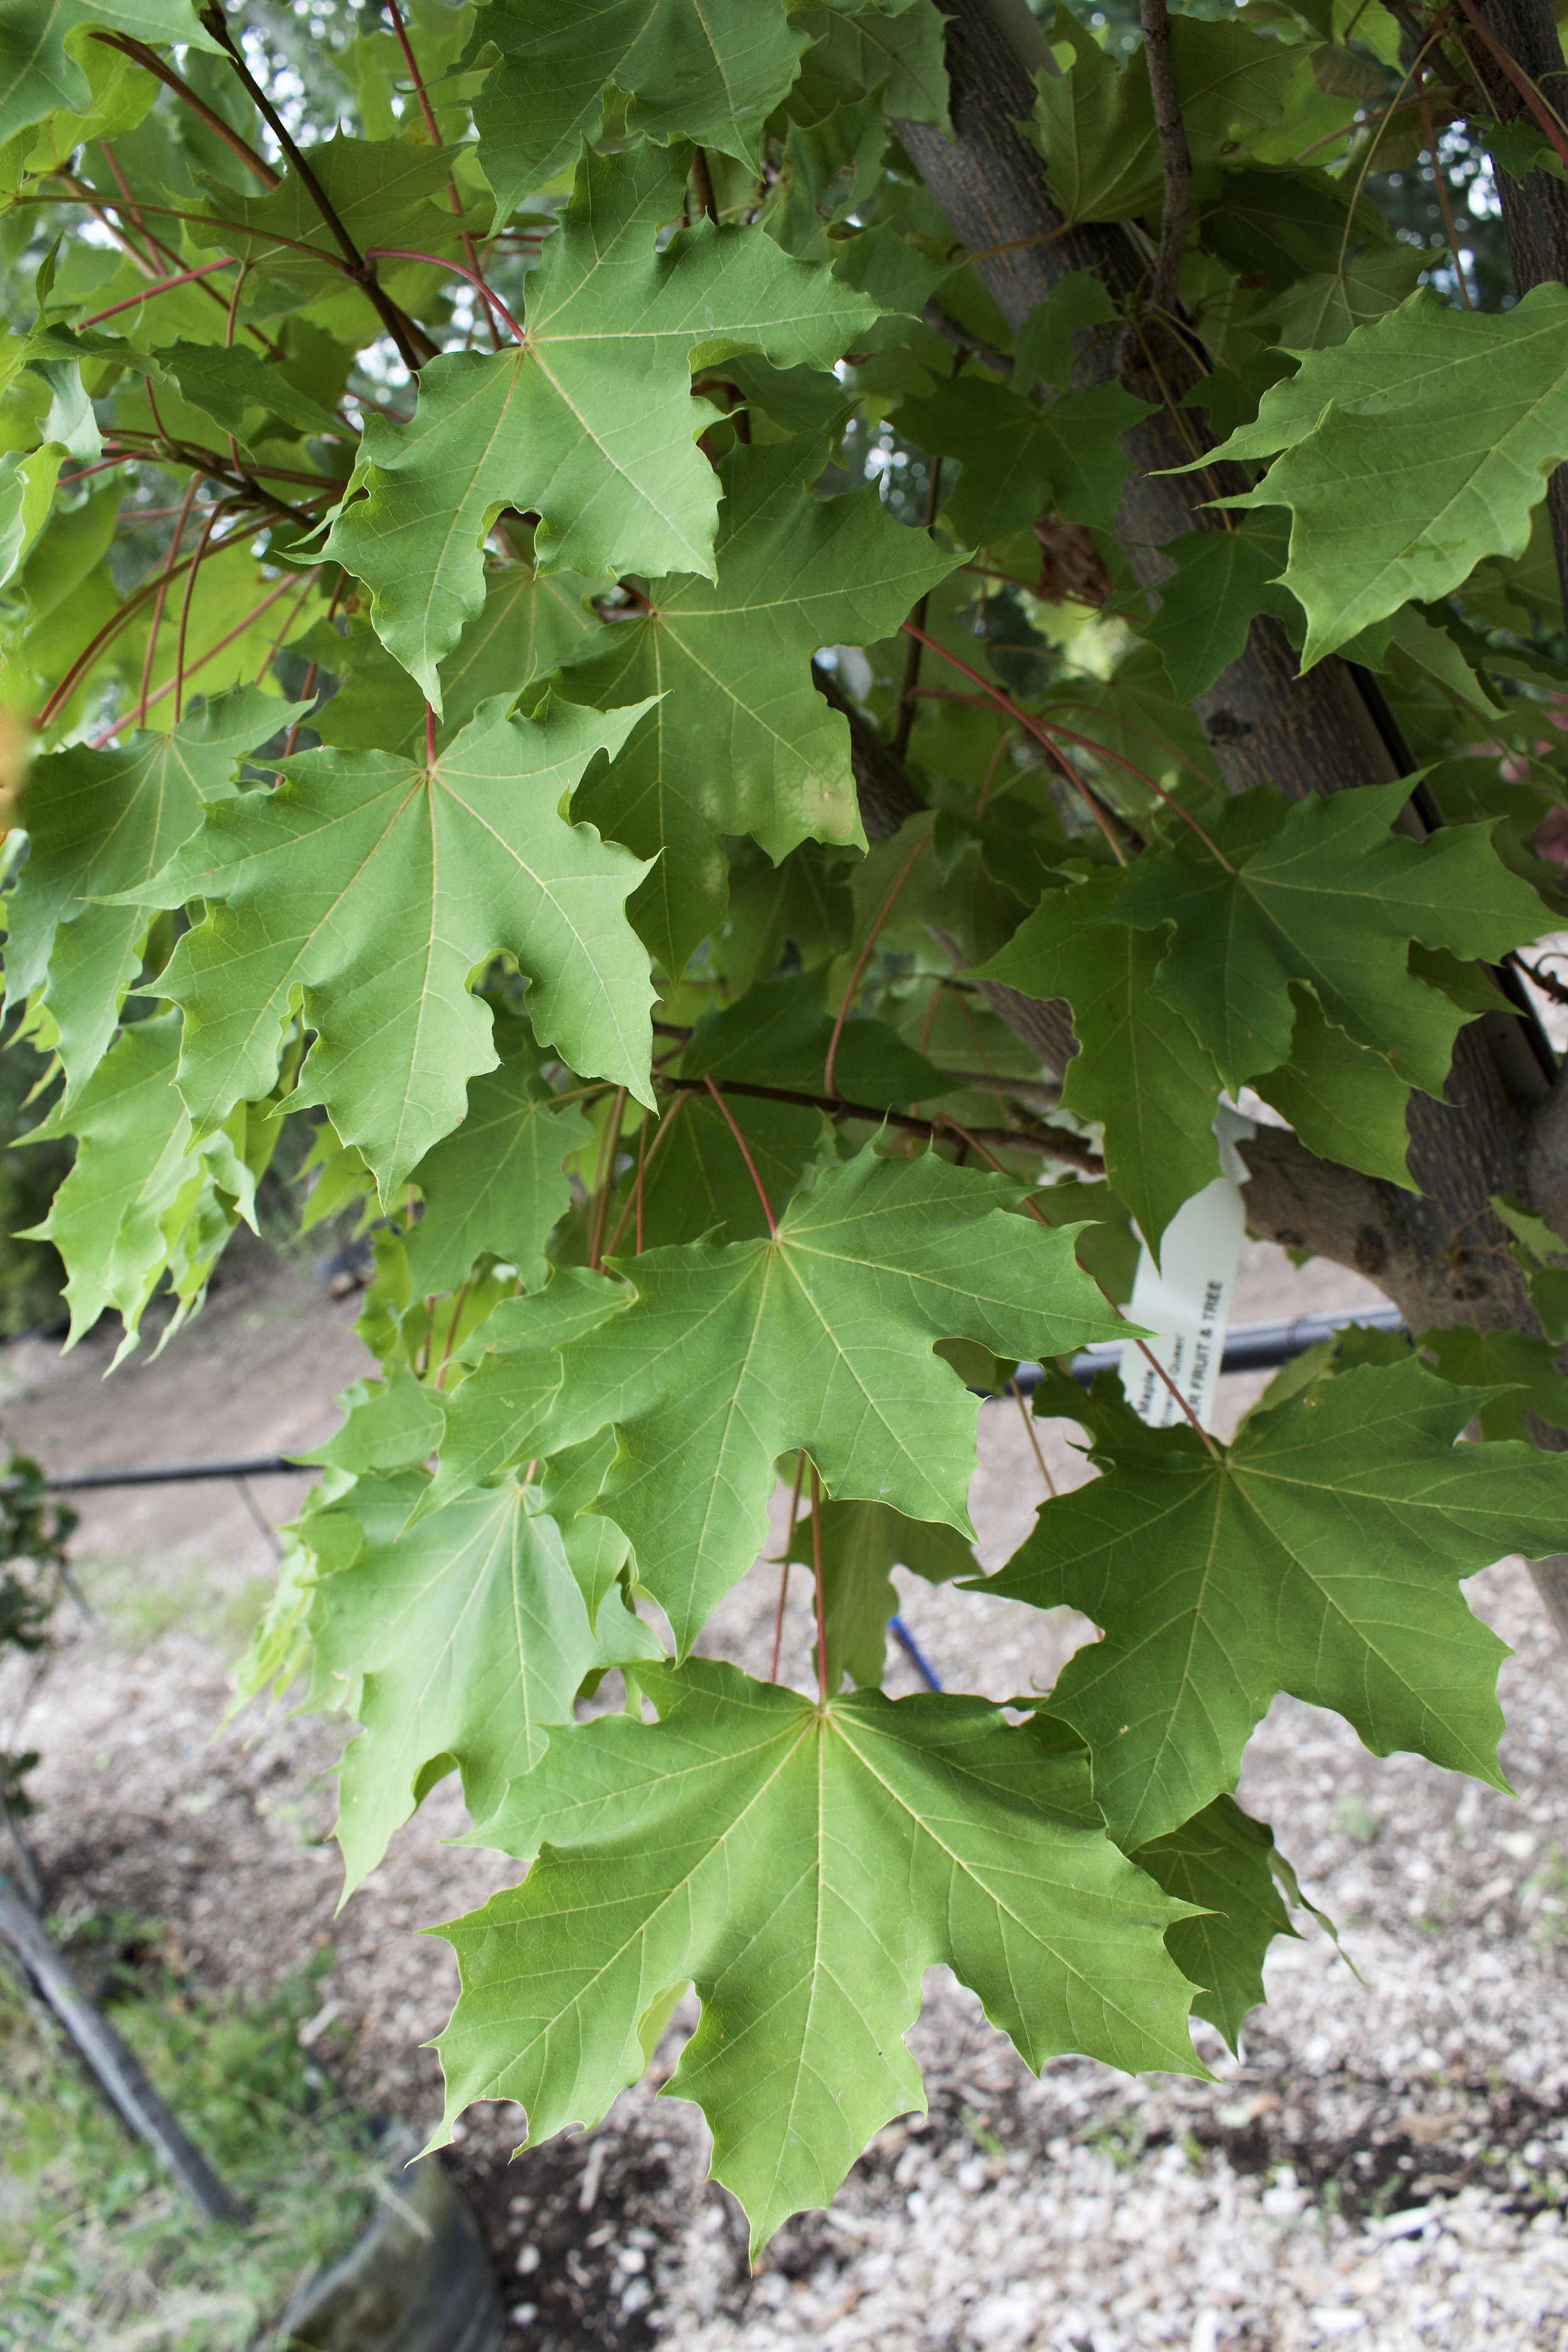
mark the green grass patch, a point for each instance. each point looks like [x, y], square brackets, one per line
[99, 2251]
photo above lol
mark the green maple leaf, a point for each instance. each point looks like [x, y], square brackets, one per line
[1043, 346]
[385, 192]
[509, 1404]
[820, 1339]
[1412, 450]
[1321, 894]
[740, 742]
[102, 824]
[1019, 461]
[1327, 307]
[38, 72]
[28, 480]
[568, 1484]
[497, 1184]
[1140, 1072]
[146, 1198]
[1524, 1369]
[803, 1867]
[1320, 1555]
[374, 886]
[900, 52]
[466, 1640]
[526, 626]
[590, 422]
[227, 384]
[696, 1186]
[1345, 1101]
[862, 1543]
[710, 71]
[388, 1425]
[1223, 579]
[778, 1035]
[1226, 1864]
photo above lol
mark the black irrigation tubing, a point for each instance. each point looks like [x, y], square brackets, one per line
[1251, 1348]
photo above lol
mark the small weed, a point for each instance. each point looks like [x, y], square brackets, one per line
[188, 1596]
[1544, 1894]
[1122, 2141]
[984, 2140]
[1356, 1818]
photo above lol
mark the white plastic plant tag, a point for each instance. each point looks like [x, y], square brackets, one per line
[1185, 1300]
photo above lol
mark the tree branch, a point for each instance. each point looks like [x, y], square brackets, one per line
[1051, 1142]
[1175, 158]
[886, 796]
[406, 333]
[1534, 208]
[963, 339]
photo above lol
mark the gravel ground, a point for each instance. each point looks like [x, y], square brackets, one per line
[1386, 2163]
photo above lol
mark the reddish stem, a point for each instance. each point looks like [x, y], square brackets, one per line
[605, 1179]
[107, 466]
[157, 621]
[207, 529]
[644, 1165]
[816, 1573]
[783, 1566]
[407, 253]
[395, 12]
[1038, 730]
[883, 912]
[163, 286]
[109, 733]
[1040, 1219]
[430, 736]
[725, 1114]
[278, 642]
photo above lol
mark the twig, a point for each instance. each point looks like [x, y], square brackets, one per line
[993, 695]
[211, 652]
[1442, 187]
[156, 621]
[1038, 729]
[702, 184]
[644, 1162]
[1051, 1143]
[415, 76]
[207, 529]
[1032, 1434]
[402, 329]
[406, 253]
[963, 339]
[1175, 158]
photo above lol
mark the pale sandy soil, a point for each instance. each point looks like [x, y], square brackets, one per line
[1384, 2165]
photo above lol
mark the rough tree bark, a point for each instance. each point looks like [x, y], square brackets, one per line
[1440, 1254]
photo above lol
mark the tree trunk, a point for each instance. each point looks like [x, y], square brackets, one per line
[1441, 1254]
